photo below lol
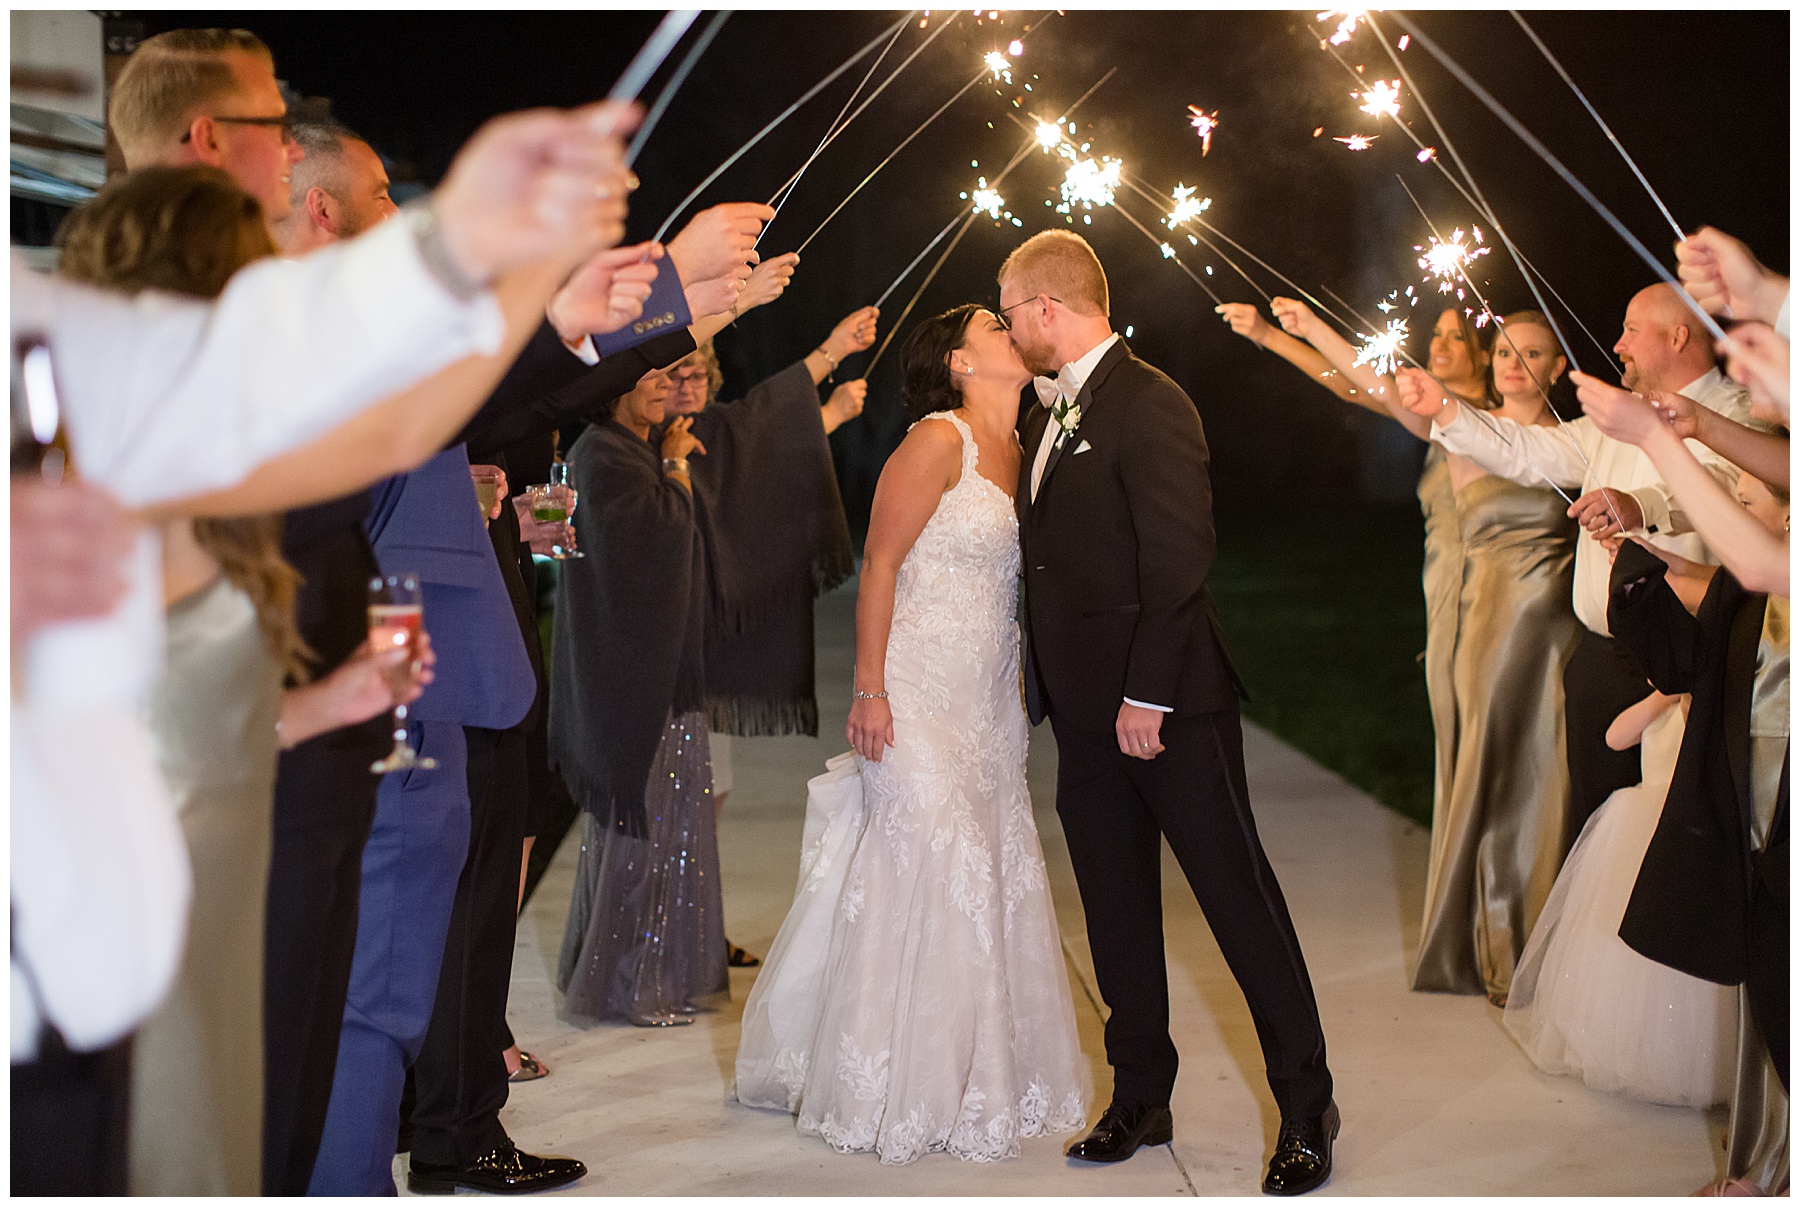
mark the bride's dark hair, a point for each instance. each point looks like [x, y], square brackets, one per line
[927, 384]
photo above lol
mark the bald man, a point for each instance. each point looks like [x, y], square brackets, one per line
[1663, 347]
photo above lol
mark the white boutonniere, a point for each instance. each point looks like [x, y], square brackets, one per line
[1067, 416]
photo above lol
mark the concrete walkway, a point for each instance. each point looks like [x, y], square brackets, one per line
[1436, 1098]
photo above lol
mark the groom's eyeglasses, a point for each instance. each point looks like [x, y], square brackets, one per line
[1006, 323]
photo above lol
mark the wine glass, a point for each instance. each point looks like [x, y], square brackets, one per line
[396, 614]
[554, 503]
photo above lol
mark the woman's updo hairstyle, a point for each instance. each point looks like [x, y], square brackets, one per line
[927, 385]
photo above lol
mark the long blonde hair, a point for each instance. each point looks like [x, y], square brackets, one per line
[187, 230]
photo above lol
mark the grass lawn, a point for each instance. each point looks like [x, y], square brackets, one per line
[1326, 622]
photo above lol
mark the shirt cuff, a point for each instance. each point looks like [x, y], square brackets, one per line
[1783, 319]
[1451, 435]
[1151, 707]
[1655, 506]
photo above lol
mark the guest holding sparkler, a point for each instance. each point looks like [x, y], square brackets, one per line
[674, 569]
[1498, 836]
[1457, 358]
[769, 666]
[1623, 490]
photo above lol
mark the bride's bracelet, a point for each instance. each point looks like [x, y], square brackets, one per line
[862, 695]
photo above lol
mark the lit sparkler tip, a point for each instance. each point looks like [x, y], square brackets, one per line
[1048, 135]
[1350, 19]
[1382, 350]
[1168, 252]
[997, 63]
[1426, 154]
[986, 201]
[1015, 48]
[1445, 260]
[1205, 123]
[1358, 142]
[1382, 99]
[1186, 206]
[1089, 182]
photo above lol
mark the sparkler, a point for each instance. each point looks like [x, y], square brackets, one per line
[650, 56]
[1205, 123]
[1607, 130]
[1015, 48]
[996, 63]
[965, 219]
[831, 135]
[1169, 253]
[1049, 135]
[1346, 27]
[838, 121]
[673, 86]
[1186, 207]
[1381, 100]
[1357, 142]
[1089, 183]
[1447, 259]
[1381, 350]
[974, 80]
[986, 200]
[1533, 277]
[765, 131]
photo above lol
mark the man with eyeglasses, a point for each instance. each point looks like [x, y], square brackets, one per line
[208, 96]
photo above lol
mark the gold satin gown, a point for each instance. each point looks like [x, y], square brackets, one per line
[197, 1064]
[1442, 581]
[1498, 839]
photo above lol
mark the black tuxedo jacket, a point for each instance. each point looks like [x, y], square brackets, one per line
[1116, 552]
[1701, 886]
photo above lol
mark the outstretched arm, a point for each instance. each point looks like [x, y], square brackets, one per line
[1245, 321]
[1528, 454]
[1379, 388]
[1762, 453]
[1754, 555]
[927, 463]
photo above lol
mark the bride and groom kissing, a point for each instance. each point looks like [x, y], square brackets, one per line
[916, 998]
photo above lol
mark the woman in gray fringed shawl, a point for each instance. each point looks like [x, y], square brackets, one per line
[685, 560]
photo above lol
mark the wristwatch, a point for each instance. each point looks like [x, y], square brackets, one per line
[675, 465]
[432, 249]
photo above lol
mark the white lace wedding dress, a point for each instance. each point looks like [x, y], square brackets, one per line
[1583, 1003]
[916, 998]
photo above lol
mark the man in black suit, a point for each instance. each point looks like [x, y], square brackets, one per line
[1124, 654]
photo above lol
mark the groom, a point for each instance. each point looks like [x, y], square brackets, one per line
[1123, 653]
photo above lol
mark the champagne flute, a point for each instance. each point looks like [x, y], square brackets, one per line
[561, 485]
[396, 614]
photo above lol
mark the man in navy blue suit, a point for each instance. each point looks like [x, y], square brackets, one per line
[428, 522]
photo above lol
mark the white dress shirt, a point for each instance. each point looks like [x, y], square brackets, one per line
[1532, 455]
[162, 398]
[1066, 384]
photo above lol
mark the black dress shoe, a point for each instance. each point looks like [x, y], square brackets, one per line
[505, 1170]
[1302, 1159]
[1122, 1130]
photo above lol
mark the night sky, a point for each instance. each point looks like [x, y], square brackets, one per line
[1699, 98]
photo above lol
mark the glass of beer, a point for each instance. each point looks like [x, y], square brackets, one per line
[396, 614]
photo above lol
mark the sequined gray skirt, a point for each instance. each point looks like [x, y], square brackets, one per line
[646, 936]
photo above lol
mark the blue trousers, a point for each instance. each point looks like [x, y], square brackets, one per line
[410, 868]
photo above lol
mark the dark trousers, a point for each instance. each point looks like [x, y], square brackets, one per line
[324, 806]
[416, 848]
[71, 1114]
[459, 1078]
[1602, 679]
[1115, 810]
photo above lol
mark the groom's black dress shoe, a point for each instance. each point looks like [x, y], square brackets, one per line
[1122, 1130]
[505, 1170]
[1302, 1159]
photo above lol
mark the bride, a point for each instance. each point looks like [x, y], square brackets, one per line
[916, 999]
